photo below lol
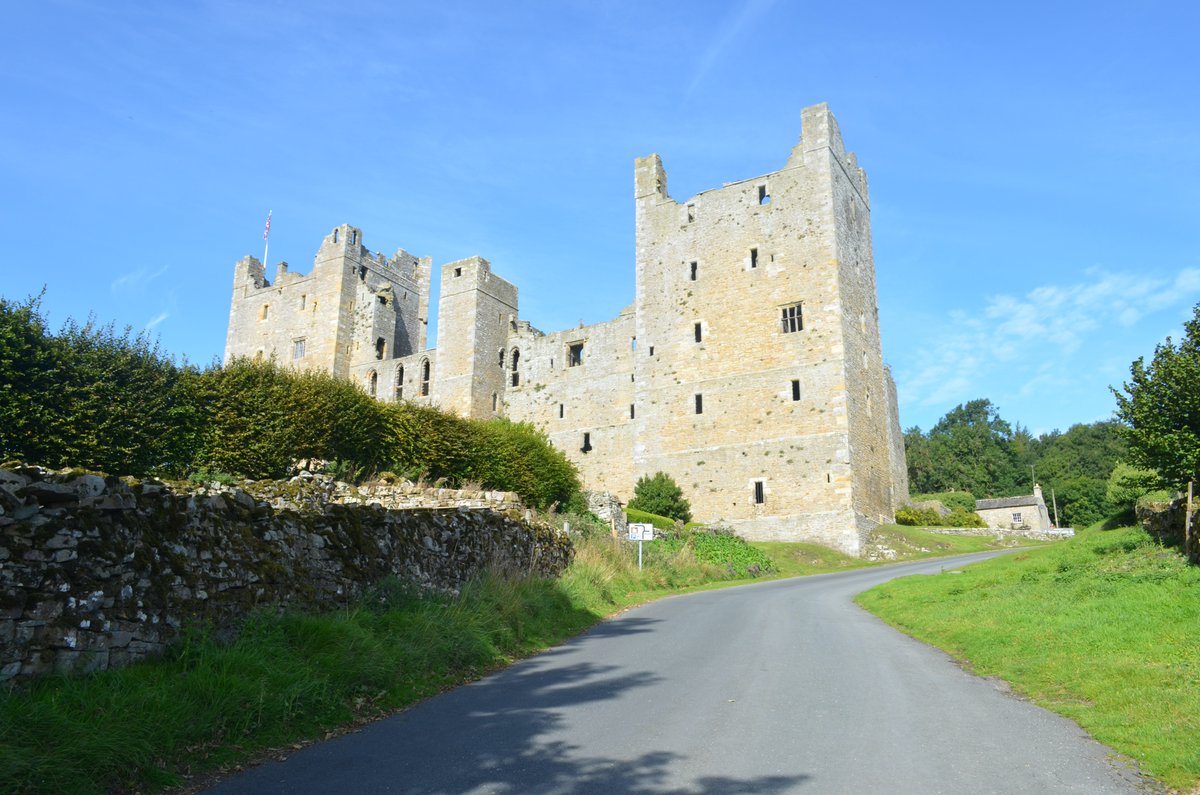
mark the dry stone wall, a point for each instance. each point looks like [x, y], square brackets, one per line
[98, 572]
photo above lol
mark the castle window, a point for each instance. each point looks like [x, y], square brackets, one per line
[298, 348]
[382, 299]
[561, 409]
[763, 196]
[651, 350]
[515, 360]
[633, 343]
[631, 411]
[501, 358]
[400, 382]
[694, 267]
[699, 332]
[575, 354]
[303, 302]
[691, 211]
[353, 237]
[792, 318]
[753, 258]
[759, 493]
[495, 401]
[335, 236]
[380, 348]
[699, 404]
[266, 311]
[372, 383]
[457, 272]
[1016, 517]
[587, 443]
[425, 378]
[866, 364]
[795, 390]
[362, 273]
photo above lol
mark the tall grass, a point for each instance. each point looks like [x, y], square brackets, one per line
[1104, 629]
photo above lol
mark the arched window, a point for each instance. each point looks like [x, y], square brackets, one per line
[400, 382]
[515, 359]
[372, 383]
[335, 236]
[424, 378]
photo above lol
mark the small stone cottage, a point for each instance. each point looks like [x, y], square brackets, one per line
[1016, 513]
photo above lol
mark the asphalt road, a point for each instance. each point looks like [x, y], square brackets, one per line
[777, 687]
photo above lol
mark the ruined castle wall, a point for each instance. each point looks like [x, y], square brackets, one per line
[476, 311]
[899, 463]
[592, 398]
[867, 394]
[332, 317]
[760, 246]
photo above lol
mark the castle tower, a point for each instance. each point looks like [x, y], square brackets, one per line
[476, 311]
[760, 384]
[354, 306]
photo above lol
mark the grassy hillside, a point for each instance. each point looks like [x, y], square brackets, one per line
[1104, 629]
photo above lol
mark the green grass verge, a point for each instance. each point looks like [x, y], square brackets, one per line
[1104, 629]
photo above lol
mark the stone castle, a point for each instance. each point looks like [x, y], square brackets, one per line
[748, 366]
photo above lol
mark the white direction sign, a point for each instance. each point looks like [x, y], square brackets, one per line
[641, 532]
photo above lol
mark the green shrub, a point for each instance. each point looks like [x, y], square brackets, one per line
[661, 495]
[664, 523]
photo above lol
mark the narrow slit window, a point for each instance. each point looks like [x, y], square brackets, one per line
[695, 267]
[759, 493]
[561, 410]
[495, 401]
[792, 318]
[691, 213]
[651, 350]
[587, 443]
[373, 383]
[353, 238]
[515, 360]
[303, 302]
[699, 404]
[266, 312]
[795, 390]
[698, 331]
[501, 358]
[633, 343]
[631, 414]
[753, 258]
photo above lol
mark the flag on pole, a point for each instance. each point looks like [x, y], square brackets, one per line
[267, 230]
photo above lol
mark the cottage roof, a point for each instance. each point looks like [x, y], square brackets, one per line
[1007, 502]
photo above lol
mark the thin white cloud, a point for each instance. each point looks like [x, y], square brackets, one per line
[1031, 343]
[158, 319]
[750, 11]
[134, 281]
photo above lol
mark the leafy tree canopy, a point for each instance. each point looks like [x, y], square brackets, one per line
[1160, 405]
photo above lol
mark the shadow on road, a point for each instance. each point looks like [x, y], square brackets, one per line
[502, 735]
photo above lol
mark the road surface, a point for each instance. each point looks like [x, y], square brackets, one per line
[776, 687]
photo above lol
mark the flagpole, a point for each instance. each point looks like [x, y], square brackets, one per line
[266, 239]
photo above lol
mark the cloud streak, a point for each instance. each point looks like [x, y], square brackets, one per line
[1039, 342]
[135, 281]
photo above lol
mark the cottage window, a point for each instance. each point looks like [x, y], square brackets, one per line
[1017, 517]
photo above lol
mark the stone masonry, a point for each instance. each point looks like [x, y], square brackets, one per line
[98, 572]
[748, 367]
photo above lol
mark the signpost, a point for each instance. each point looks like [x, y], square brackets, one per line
[640, 532]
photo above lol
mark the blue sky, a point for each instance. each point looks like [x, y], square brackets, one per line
[1033, 167]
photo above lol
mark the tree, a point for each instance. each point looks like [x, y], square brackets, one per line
[660, 495]
[1160, 406]
[969, 449]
